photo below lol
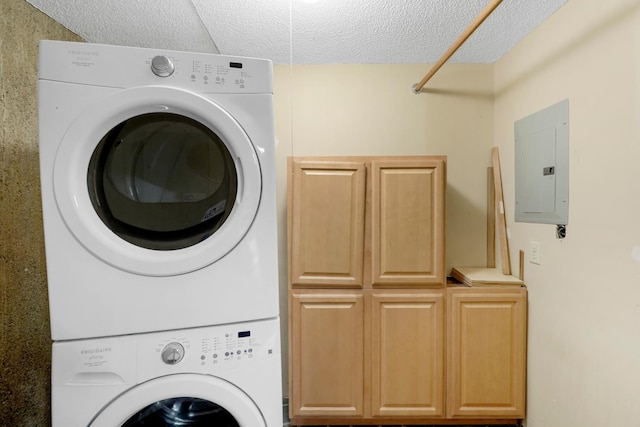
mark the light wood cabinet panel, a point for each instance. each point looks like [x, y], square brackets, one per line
[327, 223]
[367, 293]
[407, 337]
[486, 352]
[326, 348]
[407, 209]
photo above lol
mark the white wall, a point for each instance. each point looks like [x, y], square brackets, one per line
[584, 298]
[339, 110]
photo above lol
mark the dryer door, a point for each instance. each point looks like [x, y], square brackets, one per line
[181, 400]
[157, 181]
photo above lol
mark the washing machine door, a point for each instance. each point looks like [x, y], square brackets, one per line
[181, 400]
[157, 181]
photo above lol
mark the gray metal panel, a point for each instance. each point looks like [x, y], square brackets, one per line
[542, 166]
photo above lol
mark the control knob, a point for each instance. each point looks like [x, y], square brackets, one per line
[162, 66]
[172, 353]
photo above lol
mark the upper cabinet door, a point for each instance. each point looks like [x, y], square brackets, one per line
[408, 211]
[326, 217]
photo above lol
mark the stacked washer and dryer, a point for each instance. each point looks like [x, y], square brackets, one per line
[158, 190]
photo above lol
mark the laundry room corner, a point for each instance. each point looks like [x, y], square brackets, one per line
[25, 345]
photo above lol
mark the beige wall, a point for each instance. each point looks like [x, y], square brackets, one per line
[339, 110]
[584, 320]
[25, 345]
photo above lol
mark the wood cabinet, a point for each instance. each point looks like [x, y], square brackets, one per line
[375, 335]
[366, 299]
[375, 355]
[389, 208]
[486, 352]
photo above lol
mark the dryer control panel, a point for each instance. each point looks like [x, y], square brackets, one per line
[126, 67]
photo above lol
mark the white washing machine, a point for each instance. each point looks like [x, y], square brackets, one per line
[158, 189]
[227, 376]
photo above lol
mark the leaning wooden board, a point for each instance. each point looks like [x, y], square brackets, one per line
[502, 222]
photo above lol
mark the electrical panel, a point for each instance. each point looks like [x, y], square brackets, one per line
[542, 166]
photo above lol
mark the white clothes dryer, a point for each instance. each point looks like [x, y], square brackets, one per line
[227, 376]
[158, 189]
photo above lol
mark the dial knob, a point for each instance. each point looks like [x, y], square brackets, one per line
[162, 66]
[172, 353]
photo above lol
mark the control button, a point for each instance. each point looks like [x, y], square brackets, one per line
[172, 353]
[238, 352]
[162, 66]
[215, 355]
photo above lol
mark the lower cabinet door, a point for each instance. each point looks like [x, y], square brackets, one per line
[486, 351]
[407, 350]
[326, 354]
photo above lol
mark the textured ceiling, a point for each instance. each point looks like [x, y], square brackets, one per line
[306, 31]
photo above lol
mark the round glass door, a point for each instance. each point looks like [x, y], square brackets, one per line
[182, 411]
[162, 181]
[157, 181]
[181, 400]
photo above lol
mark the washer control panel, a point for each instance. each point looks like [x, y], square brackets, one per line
[135, 358]
[206, 349]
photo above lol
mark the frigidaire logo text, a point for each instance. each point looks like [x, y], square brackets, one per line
[96, 350]
[83, 52]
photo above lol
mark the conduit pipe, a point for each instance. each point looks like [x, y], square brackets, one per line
[417, 88]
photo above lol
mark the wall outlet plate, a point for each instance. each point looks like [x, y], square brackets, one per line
[534, 252]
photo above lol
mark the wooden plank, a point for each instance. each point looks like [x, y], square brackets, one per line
[476, 276]
[502, 222]
[491, 220]
[521, 270]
